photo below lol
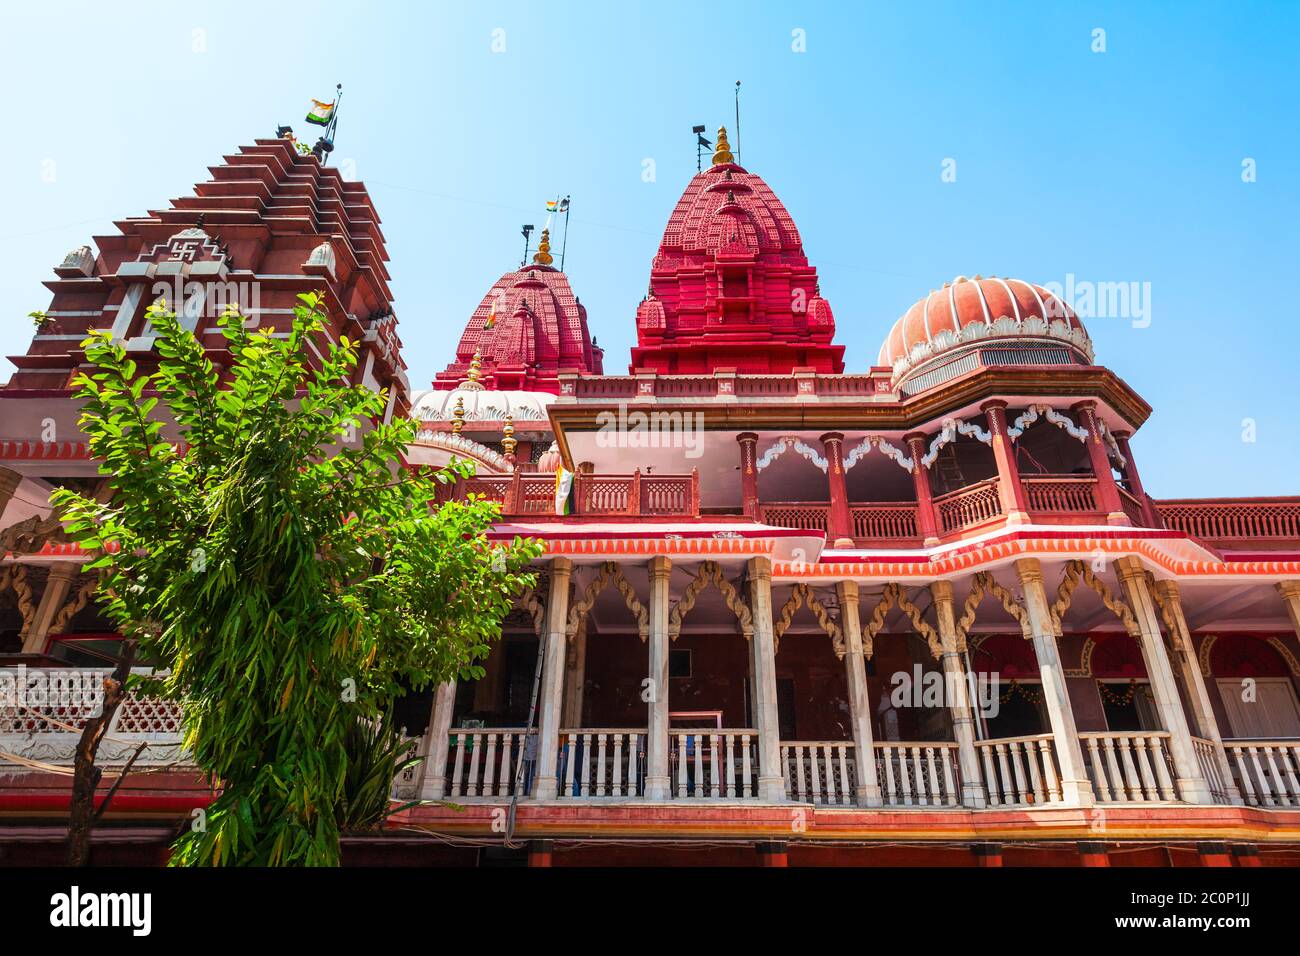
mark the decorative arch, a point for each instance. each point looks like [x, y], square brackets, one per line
[13, 577]
[984, 584]
[532, 603]
[893, 596]
[1075, 572]
[1285, 660]
[782, 445]
[887, 448]
[801, 595]
[710, 573]
[609, 573]
[950, 429]
[1030, 415]
[74, 604]
[1203, 654]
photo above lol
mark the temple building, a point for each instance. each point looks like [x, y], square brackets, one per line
[924, 612]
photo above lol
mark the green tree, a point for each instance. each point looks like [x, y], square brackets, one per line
[274, 557]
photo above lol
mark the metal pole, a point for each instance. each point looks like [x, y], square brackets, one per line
[565, 243]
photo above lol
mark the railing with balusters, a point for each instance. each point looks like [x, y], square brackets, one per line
[602, 763]
[1060, 494]
[1207, 758]
[482, 763]
[802, 515]
[1233, 520]
[969, 506]
[923, 774]
[1267, 771]
[823, 772]
[634, 495]
[48, 732]
[884, 521]
[714, 764]
[1129, 767]
[1019, 771]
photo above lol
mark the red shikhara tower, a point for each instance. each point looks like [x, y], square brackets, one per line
[731, 287]
[528, 328]
[271, 223]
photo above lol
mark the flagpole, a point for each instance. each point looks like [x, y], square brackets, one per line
[565, 244]
[334, 121]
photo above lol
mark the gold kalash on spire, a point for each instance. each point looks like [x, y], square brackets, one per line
[543, 255]
[722, 152]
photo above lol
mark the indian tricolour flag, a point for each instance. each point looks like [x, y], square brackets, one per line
[563, 492]
[320, 113]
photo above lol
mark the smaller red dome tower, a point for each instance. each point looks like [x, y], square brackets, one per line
[528, 328]
[730, 286]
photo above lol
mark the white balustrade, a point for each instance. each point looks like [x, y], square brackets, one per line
[1211, 769]
[602, 763]
[482, 763]
[718, 764]
[1267, 771]
[823, 772]
[923, 774]
[1129, 767]
[1019, 771]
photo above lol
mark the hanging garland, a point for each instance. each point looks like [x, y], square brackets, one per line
[1122, 700]
[1034, 697]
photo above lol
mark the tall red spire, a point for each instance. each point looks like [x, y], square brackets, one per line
[731, 286]
[528, 328]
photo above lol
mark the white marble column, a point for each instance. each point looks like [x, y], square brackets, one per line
[575, 677]
[1190, 671]
[433, 775]
[957, 690]
[1191, 782]
[1076, 788]
[762, 648]
[552, 689]
[867, 793]
[657, 780]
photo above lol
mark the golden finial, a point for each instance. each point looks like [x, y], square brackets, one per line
[475, 373]
[508, 442]
[543, 255]
[722, 152]
[458, 415]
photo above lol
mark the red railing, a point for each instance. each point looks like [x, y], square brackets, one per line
[634, 495]
[803, 515]
[884, 522]
[1061, 494]
[968, 506]
[1237, 521]
[1132, 507]
[872, 521]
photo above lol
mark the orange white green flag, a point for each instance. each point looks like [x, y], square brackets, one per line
[320, 113]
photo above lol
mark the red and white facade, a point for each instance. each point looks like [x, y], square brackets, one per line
[921, 612]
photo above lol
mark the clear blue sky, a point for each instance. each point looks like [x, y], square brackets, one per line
[1117, 166]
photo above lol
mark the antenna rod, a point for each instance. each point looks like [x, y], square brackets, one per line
[738, 122]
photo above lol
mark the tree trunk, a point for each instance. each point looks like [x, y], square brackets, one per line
[85, 775]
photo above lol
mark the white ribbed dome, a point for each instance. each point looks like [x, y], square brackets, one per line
[481, 405]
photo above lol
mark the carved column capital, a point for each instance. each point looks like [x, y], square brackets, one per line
[848, 592]
[942, 591]
[1029, 569]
